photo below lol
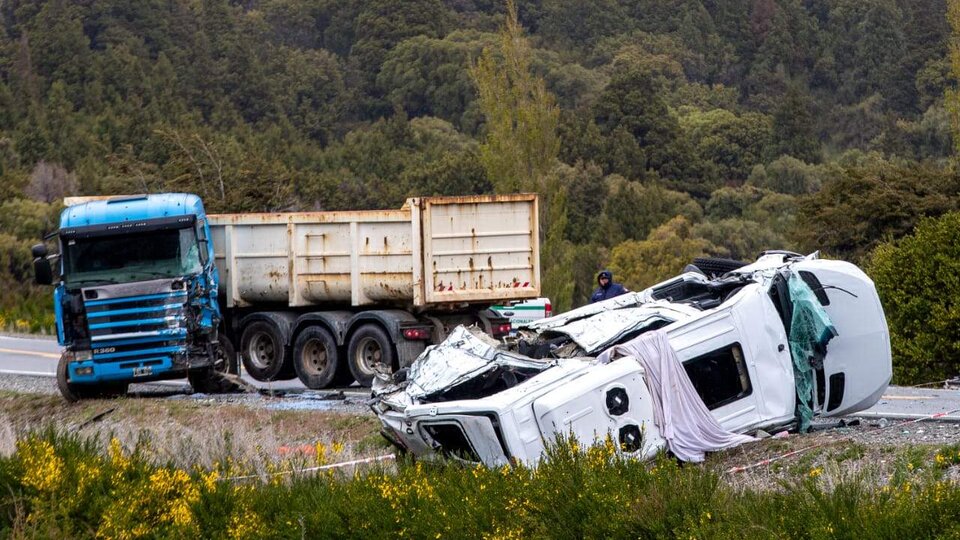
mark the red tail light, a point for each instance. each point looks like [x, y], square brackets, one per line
[548, 310]
[501, 329]
[416, 333]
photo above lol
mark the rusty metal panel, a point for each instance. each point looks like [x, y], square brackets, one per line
[416, 244]
[262, 264]
[312, 258]
[434, 250]
[322, 263]
[480, 248]
[385, 262]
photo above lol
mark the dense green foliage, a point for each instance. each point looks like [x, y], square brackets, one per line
[57, 486]
[916, 278]
[824, 124]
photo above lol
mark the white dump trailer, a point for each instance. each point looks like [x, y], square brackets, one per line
[434, 252]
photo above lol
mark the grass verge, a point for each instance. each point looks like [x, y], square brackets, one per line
[68, 486]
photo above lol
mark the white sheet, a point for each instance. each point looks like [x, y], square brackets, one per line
[678, 411]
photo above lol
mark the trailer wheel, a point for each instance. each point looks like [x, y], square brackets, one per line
[76, 392]
[211, 380]
[316, 359]
[369, 351]
[262, 351]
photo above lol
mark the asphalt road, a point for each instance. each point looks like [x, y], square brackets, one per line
[38, 356]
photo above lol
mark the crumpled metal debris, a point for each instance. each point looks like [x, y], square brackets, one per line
[466, 354]
[605, 328]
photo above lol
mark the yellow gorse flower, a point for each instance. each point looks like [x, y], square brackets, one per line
[165, 501]
[43, 468]
[321, 453]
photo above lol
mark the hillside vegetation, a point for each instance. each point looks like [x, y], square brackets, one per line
[655, 130]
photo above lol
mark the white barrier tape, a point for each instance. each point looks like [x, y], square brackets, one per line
[317, 468]
[801, 450]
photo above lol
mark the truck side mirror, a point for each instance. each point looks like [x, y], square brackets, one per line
[203, 243]
[42, 272]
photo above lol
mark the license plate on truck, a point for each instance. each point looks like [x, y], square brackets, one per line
[142, 371]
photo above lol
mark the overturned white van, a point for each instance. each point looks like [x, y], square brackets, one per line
[688, 364]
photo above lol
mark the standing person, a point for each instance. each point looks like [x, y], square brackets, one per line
[607, 288]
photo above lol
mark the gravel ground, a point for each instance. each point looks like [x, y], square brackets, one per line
[48, 385]
[172, 390]
[874, 449]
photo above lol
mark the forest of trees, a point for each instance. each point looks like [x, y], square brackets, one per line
[656, 130]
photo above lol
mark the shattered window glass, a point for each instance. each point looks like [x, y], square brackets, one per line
[720, 376]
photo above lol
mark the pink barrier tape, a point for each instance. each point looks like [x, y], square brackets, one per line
[317, 468]
[811, 447]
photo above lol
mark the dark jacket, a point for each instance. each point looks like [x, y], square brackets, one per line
[612, 289]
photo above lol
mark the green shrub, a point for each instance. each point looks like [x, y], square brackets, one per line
[65, 486]
[917, 278]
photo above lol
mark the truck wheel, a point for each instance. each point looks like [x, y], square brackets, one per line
[262, 351]
[369, 348]
[76, 392]
[315, 358]
[210, 380]
[713, 266]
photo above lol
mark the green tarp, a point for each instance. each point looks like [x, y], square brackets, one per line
[810, 331]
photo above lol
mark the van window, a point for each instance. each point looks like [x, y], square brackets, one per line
[720, 376]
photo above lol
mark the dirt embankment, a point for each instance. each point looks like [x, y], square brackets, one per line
[199, 430]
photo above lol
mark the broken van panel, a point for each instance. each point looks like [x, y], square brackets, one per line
[467, 357]
[599, 331]
[582, 372]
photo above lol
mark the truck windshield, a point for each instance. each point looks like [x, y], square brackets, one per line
[134, 257]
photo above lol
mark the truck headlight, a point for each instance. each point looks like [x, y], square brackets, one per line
[81, 356]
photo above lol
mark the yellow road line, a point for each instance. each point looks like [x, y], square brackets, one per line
[32, 353]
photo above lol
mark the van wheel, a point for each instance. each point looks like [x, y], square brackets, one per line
[369, 351]
[75, 392]
[262, 351]
[713, 266]
[316, 358]
[211, 380]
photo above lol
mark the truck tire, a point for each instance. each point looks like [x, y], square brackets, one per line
[316, 358]
[369, 347]
[262, 351]
[76, 392]
[712, 266]
[210, 380]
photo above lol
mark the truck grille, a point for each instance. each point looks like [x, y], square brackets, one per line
[137, 329]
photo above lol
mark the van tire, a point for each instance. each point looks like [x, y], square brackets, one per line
[262, 351]
[369, 346]
[714, 266]
[316, 358]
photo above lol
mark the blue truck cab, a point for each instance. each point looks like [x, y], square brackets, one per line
[136, 298]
